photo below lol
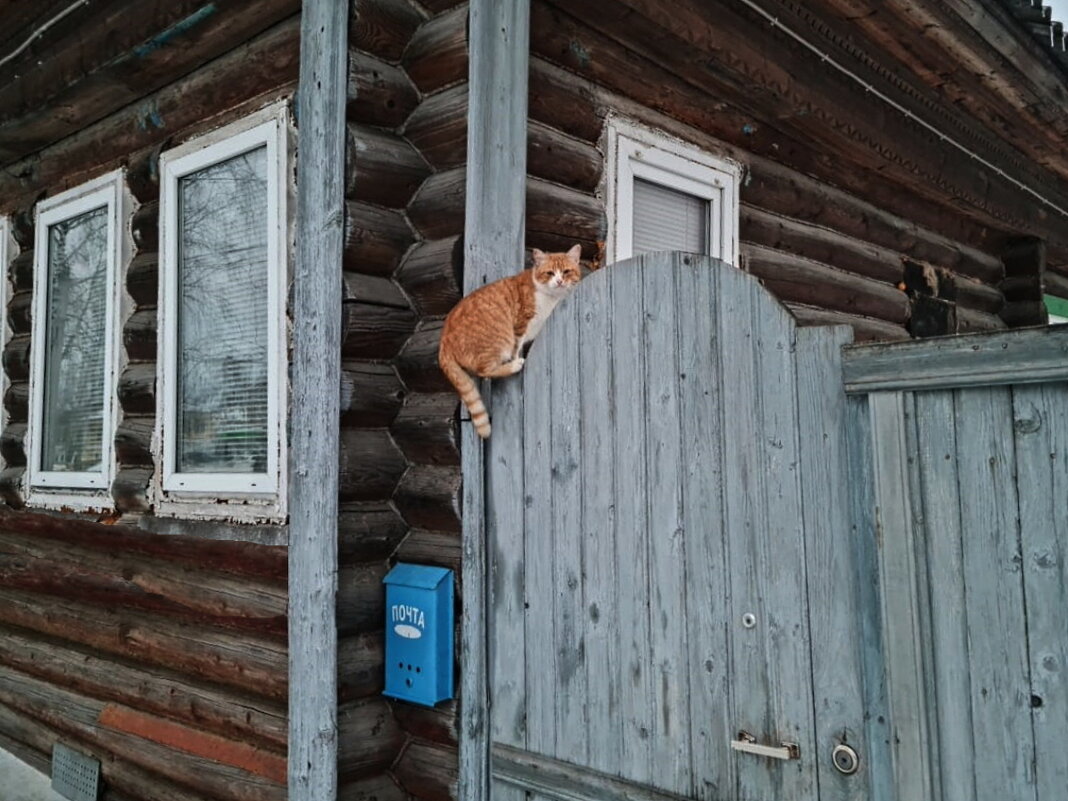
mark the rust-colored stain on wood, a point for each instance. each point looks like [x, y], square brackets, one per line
[192, 741]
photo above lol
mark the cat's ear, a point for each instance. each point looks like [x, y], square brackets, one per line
[539, 255]
[575, 253]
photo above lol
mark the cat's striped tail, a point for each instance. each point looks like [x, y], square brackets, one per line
[469, 394]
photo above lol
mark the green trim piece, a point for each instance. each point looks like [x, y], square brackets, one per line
[1055, 305]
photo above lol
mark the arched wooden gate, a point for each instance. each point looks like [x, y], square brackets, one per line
[671, 551]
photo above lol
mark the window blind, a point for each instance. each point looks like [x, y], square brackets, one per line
[222, 415]
[75, 344]
[666, 219]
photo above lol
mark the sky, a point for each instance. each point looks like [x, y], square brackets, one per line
[1060, 9]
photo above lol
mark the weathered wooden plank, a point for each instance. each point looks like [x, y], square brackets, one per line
[865, 329]
[595, 478]
[936, 464]
[314, 472]
[706, 590]
[900, 612]
[998, 661]
[1010, 357]
[835, 617]
[1042, 480]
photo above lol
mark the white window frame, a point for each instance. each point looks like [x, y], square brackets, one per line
[239, 496]
[86, 490]
[635, 151]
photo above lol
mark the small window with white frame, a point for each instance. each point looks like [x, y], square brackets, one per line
[222, 345]
[664, 194]
[79, 248]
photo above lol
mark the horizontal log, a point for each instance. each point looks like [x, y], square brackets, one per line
[118, 59]
[371, 394]
[11, 485]
[22, 269]
[111, 577]
[145, 226]
[17, 402]
[137, 388]
[17, 358]
[368, 738]
[361, 598]
[378, 93]
[436, 57]
[973, 294]
[271, 564]
[383, 27]
[436, 725]
[13, 444]
[375, 332]
[373, 289]
[417, 363]
[20, 312]
[256, 665]
[433, 548]
[142, 279]
[428, 771]
[122, 780]
[819, 244]
[562, 100]
[800, 280]
[431, 275]
[368, 532]
[204, 762]
[381, 167]
[376, 239]
[438, 6]
[563, 159]
[426, 429]
[438, 127]
[139, 335]
[373, 788]
[254, 72]
[360, 662]
[1024, 314]
[130, 488]
[429, 497]
[133, 439]
[370, 464]
[971, 320]
[158, 690]
[437, 210]
[865, 329]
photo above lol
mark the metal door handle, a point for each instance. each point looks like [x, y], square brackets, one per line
[747, 743]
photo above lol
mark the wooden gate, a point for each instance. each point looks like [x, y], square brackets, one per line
[672, 558]
[968, 442]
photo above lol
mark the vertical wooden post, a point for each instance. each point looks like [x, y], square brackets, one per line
[1025, 268]
[316, 378]
[499, 41]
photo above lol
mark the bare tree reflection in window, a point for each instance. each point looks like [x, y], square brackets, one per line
[73, 421]
[222, 317]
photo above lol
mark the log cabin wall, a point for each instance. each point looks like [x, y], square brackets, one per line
[156, 645]
[400, 479]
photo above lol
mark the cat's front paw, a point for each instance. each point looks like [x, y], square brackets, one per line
[517, 364]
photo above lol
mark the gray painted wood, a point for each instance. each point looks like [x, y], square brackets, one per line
[949, 694]
[1041, 427]
[900, 613]
[1033, 355]
[315, 401]
[498, 36]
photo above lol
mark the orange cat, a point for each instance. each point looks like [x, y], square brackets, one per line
[485, 333]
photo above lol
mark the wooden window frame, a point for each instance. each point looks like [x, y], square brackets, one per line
[637, 152]
[247, 497]
[8, 251]
[85, 491]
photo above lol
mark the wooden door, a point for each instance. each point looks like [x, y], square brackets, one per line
[671, 549]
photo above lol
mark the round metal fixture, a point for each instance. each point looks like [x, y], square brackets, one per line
[845, 759]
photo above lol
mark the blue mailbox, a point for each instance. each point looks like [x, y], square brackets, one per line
[419, 633]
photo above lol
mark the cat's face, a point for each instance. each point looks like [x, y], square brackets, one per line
[557, 272]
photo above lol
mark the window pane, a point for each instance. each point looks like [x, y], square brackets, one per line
[222, 317]
[665, 219]
[73, 421]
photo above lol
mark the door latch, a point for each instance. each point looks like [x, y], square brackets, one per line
[747, 743]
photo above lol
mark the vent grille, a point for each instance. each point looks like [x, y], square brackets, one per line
[75, 775]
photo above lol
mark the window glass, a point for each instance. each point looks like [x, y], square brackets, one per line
[222, 411]
[1057, 308]
[666, 219]
[75, 344]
